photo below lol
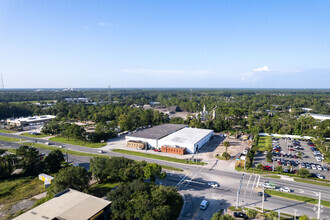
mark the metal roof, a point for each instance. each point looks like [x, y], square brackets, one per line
[158, 131]
[71, 204]
[187, 136]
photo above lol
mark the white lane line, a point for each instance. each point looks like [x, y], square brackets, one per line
[193, 177]
[247, 184]
[253, 185]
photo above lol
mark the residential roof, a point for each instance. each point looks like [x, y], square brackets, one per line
[186, 136]
[71, 204]
[158, 131]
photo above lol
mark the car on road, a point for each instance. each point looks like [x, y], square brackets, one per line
[266, 195]
[100, 151]
[61, 146]
[285, 189]
[213, 184]
[320, 176]
[204, 204]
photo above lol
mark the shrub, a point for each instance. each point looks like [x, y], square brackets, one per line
[226, 155]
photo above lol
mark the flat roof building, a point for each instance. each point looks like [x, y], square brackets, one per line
[318, 116]
[190, 138]
[28, 120]
[69, 205]
[153, 134]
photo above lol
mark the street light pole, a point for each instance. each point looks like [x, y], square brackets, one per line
[295, 214]
[319, 207]
[239, 190]
[263, 199]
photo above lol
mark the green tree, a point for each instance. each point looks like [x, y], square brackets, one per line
[303, 172]
[220, 216]
[226, 155]
[269, 157]
[279, 168]
[226, 144]
[98, 168]
[70, 177]
[153, 170]
[7, 165]
[53, 161]
[304, 217]
[30, 160]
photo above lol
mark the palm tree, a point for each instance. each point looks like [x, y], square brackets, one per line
[226, 144]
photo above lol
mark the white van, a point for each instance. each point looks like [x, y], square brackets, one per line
[204, 204]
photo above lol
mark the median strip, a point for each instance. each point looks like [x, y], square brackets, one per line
[297, 197]
[157, 157]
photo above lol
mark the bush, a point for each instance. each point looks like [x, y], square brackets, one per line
[259, 166]
[279, 168]
[251, 213]
[303, 172]
[226, 155]
[269, 157]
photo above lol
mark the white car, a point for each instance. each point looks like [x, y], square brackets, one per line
[318, 159]
[213, 184]
[320, 176]
[313, 167]
[285, 189]
[100, 151]
[319, 167]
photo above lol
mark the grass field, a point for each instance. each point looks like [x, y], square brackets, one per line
[79, 143]
[35, 136]
[297, 197]
[262, 143]
[274, 176]
[320, 183]
[15, 190]
[6, 131]
[9, 139]
[158, 157]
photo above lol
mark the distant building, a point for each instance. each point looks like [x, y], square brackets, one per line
[306, 109]
[30, 120]
[318, 116]
[69, 205]
[77, 100]
[47, 179]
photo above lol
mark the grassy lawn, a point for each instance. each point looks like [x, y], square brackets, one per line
[171, 168]
[158, 157]
[15, 190]
[10, 139]
[263, 142]
[297, 197]
[6, 131]
[34, 135]
[79, 143]
[320, 183]
[273, 176]
[101, 189]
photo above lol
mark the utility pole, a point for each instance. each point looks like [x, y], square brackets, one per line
[319, 206]
[263, 199]
[239, 190]
[295, 214]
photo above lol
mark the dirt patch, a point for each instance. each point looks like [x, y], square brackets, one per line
[236, 146]
[21, 206]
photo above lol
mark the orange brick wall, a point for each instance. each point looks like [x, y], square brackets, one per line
[173, 150]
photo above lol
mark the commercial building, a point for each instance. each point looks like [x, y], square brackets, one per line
[190, 138]
[30, 120]
[151, 136]
[69, 205]
[318, 116]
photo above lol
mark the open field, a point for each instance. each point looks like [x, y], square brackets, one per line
[101, 189]
[35, 136]
[158, 157]
[297, 197]
[78, 142]
[262, 143]
[15, 190]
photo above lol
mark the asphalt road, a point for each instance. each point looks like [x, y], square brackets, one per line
[194, 187]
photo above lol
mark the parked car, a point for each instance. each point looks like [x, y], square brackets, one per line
[204, 204]
[320, 176]
[239, 215]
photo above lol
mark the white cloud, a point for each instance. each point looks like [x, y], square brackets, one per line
[261, 69]
[103, 24]
[167, 72]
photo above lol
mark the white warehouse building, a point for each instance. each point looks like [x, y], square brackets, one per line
[189, 138]
[152, 136]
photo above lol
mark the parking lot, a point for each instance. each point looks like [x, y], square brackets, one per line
[286, 153]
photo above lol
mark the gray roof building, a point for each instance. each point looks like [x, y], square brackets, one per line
[158, 131]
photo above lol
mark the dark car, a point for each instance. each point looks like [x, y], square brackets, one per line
[266, 195]
[239, 215]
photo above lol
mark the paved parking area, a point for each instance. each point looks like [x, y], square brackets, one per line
[287, 154]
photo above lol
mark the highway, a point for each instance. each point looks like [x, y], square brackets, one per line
[193, 186]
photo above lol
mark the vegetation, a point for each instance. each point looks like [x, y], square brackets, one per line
[35, 135]
[142, 200]
[320, 183]
[77, 142]
[159, 157]
[226, 144]
[6, 131]
[297, 197]
[220, 216]
[9, 139]
[226, 155]
[17, 189]
[53, 161]
[70, 177]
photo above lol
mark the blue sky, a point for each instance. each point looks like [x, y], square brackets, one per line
[165, 43]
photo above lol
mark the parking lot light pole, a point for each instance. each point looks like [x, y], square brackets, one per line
[263, 199]
[295, 214]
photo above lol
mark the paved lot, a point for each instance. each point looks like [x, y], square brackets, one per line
[307, 157]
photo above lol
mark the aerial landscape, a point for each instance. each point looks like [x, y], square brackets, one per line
[164, 109]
